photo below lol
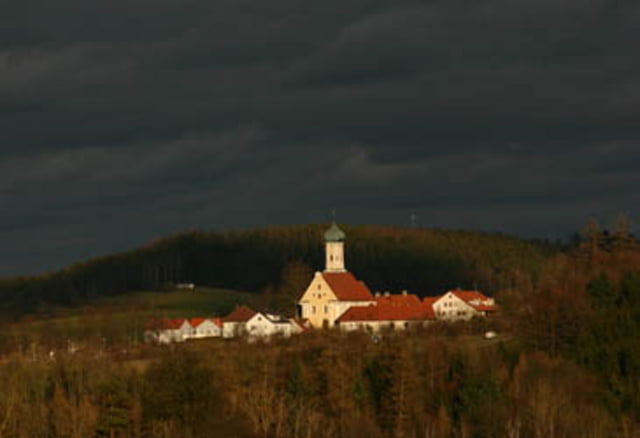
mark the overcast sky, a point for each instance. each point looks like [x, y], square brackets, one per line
[126, 120]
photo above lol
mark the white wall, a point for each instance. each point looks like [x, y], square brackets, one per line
[233, 329]
[334, 253]
[168, 336]
[377, 326]
[207, 329]
[449, 307]
[264, 326]
[315, 300]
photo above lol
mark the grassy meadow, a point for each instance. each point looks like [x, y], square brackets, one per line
[187, 303]
[115, 321]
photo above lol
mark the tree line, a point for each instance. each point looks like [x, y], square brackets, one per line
[425, 262]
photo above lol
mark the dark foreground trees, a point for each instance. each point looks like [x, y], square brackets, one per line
[317, 385]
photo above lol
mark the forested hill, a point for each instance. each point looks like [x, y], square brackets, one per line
[422, 261]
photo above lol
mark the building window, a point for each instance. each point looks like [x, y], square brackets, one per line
[319, 286]
[313, 310]
[326, 309]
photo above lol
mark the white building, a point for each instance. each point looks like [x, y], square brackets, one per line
[206, 327]
[463, 305]
[235, 323]
[264, 325]
[166, 331]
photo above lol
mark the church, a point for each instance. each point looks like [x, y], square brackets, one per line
[334, 291]
[336, 297]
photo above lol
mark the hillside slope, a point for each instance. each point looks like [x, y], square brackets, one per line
[423, 261]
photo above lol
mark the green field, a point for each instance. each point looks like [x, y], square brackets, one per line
[117, 320]
[175, 304]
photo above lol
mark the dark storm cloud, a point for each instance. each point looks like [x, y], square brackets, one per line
[128, 120]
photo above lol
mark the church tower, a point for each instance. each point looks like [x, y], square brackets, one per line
[334, 249]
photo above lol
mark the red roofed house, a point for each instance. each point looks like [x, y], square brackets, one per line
[390, 312]
[334, 291]
[460, 304]
[235, 323]
[165, 331]
[206, 327]
[265, 325]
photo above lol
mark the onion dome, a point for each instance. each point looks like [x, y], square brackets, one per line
[334, 234]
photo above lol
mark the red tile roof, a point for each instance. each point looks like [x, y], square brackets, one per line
[346, 287]
[486, 308]
[195, 322]
[399, 300]
[402, 313]
[388, 312]
[166, 324]
[475, 299]
[240, 314]
[469, 295]
[427, 305]
[429, 301]
[360, 313]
